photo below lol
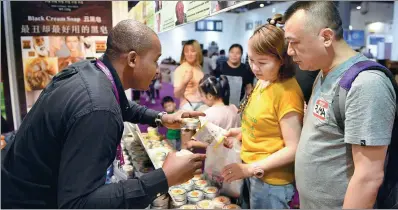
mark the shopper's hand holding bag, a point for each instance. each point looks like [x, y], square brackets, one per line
[217, 157]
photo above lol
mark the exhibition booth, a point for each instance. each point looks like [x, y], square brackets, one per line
[45, 37]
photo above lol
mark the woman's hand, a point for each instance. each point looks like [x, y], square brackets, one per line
[231, 136]
[188, 75]
[193, 144]
[236, 171]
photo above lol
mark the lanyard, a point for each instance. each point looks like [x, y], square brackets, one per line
[103, 68]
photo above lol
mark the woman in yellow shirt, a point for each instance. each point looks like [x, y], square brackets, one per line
[271, 123]
[188, 75]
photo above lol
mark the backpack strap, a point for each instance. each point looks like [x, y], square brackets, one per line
[346, 82]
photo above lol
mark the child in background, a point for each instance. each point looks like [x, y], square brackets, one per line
[215, 93]
[174, 136]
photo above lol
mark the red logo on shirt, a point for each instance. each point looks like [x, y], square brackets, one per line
[320, 109]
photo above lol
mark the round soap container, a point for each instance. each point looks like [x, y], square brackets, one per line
[205, 204]
[201, 184]
[195, 196]
[220, 201]
[179, 194]
[210, 192]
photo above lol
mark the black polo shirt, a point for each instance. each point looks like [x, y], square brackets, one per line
[65, 144]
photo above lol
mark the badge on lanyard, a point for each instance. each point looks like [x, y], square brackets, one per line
[321, 109]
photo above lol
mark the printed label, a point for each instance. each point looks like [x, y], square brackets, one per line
[321, 109]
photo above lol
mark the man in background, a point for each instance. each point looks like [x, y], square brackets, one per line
[221, 58]
[208, 66]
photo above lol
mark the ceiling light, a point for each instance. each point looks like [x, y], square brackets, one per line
[358, 7]
[261, 5]
[273, 10]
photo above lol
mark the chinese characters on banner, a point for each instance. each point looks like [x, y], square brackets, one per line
[55, 34]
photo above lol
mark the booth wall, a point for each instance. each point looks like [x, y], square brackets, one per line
[234, 30]
[376, 12]
[172, 40]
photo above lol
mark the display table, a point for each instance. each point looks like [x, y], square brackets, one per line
[145, 152]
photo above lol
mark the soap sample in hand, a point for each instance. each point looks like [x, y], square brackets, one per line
[210, 133]
[183, 152]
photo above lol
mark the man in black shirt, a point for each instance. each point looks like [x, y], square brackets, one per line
[65, 144]
[306, 80]
[239, 74]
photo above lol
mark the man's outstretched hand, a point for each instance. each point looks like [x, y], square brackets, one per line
[181, 168]
[174, 121]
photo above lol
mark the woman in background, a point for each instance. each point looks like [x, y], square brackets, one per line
[188, 75]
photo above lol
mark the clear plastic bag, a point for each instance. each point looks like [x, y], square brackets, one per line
[216, 159]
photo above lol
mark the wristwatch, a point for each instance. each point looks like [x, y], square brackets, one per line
[158, 119]
[258, 172]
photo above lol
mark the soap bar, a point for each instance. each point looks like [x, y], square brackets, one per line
[210, 133]
[183, 152]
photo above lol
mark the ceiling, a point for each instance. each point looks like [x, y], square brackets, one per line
[257, 4]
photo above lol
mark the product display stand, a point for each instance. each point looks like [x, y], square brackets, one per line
[147, 151]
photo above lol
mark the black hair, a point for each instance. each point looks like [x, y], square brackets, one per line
[236, 46]
[205, 52]
[167, 99]
[216, 86]
[324, 11]
[222, 52]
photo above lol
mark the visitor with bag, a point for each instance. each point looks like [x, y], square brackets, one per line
[220, 117]
[272, 118]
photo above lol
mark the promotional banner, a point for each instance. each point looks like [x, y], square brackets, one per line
[198, 10]
[55, 34]
[217, 6]
[162, 16]
[168, 18]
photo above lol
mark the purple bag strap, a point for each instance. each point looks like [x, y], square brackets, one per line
[352, 73]
[103, 68]
[346, 82]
